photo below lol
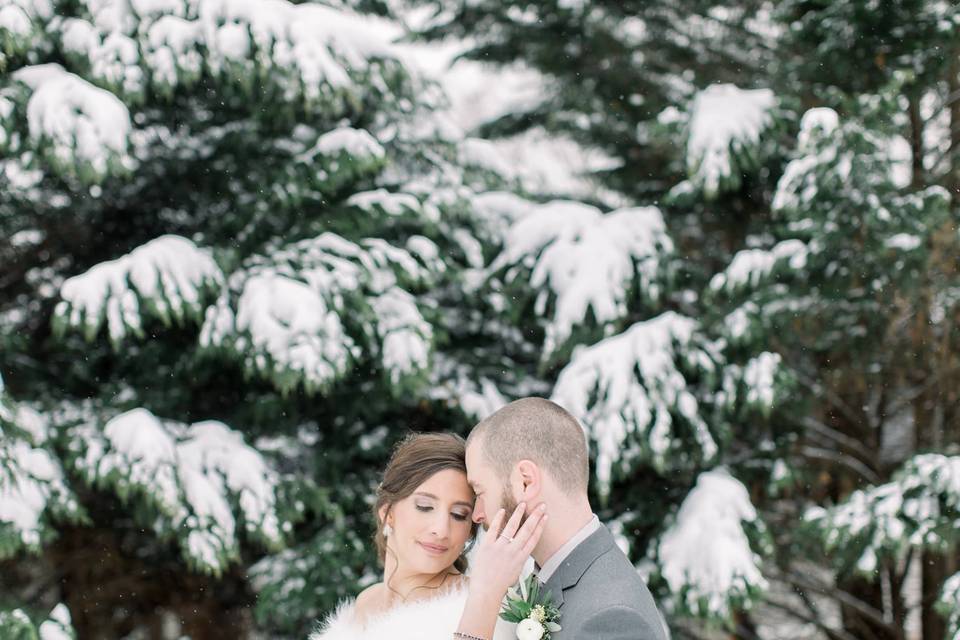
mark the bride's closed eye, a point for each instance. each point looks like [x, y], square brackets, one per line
[460, 517]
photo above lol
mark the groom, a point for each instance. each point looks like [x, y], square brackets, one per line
[533, 451]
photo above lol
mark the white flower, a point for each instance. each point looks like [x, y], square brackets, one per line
[529, 629]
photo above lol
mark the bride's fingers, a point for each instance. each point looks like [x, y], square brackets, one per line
[510, 529]
[495, 525]
[535, 517]
[534, 536]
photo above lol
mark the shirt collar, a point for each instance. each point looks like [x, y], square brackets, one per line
[554, 561]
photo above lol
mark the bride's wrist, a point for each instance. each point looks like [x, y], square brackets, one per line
[480, 595]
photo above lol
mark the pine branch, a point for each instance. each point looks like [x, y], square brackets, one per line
[849, 462]
[832, 634]
[836, 436]
[865, 609]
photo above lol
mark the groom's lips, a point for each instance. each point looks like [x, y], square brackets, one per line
[432, 548]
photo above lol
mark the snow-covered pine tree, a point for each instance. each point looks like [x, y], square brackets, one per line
[864, 320]
[612, 67]
[671, 410]
[850, 258]
[245, 255]
[232, 234]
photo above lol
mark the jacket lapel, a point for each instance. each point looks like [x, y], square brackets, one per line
[570, 571]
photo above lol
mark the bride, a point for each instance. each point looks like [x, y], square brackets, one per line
[424, 508]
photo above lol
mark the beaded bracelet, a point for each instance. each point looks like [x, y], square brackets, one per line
[465, 636]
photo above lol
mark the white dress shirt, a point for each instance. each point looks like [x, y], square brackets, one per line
[553, 562]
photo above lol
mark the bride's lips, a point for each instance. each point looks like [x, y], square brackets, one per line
[433, 549]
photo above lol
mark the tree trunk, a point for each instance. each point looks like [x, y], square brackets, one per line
[916, 140]
[935, 569]
[856, 624]
[953, 94]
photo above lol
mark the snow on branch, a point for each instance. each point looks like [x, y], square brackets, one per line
[949, 606]
[319, 56]
[32, 484]
[920, 507]
[22, 24]
[202, 482]
[461, 385]
[58, 625]
[16, 624]
[583, 264]
[752, 267]
[341, 156]
[82, 129]
[631, 393]
[705, 556]
[304, 313]
[725, 128]
[406, 337]
[167, 278]
[853, 163]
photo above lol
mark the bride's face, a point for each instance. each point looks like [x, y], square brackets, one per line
[432, 526]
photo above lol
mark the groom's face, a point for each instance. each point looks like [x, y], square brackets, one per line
[493, 492]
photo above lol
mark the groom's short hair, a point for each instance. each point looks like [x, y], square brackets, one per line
[538, 430]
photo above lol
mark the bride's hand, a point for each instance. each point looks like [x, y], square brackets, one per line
[504, 550]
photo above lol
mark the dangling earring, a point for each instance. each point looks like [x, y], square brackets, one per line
[387, 530]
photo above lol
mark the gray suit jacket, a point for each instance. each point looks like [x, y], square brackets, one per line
[601, 596]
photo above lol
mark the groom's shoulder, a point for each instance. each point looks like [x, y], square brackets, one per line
[612, 568]
[614, 596]
[611, 580]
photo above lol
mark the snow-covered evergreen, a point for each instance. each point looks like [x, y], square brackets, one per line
[248, 245]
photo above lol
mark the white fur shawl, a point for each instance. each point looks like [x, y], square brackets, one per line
[431, 619]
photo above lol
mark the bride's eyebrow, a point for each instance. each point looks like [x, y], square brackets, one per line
[430, 495]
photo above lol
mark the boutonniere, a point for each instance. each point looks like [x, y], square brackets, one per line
[532, 609]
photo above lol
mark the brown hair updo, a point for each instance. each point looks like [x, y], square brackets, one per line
[414, 460]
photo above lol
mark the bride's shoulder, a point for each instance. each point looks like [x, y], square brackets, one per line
[340, 624]
[369, 602]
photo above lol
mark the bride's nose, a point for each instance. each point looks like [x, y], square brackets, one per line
[440, 527]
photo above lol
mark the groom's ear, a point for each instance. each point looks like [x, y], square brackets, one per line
[531, 479]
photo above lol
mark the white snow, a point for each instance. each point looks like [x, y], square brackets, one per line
[913, 510]
[476, 395]
[582, 260]
[166, 277]
[903, 242]
[15, 20]
[759, 376]
[405, 336]
[83, 123]
[31, 481]
[21, 17]
[705, 556]
[58, 626]
[950, 601]
[630, 384]
[480, 93]
[191, 474]
[355, 143]
[289, 307]
[293, 324]
[799, 183]
[393, 204]
[725, 122]
[312, 52]
[751, 266]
